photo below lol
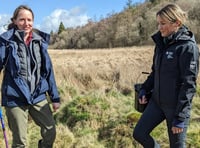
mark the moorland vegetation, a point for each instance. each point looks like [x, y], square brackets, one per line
[96, 84]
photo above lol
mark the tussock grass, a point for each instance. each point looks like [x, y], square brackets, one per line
[97, 111]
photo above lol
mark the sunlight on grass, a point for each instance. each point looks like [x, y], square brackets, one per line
[101, 114]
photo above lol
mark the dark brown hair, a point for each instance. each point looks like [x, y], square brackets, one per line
[15, 15]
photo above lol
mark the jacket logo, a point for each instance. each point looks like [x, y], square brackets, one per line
[169, 55]
[192, 65]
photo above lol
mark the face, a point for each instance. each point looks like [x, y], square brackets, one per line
[166, 27]
[24, 21]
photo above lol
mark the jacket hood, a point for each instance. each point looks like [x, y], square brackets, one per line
[36, 33]
[183, 34]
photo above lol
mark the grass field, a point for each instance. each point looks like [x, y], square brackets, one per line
[96, 88]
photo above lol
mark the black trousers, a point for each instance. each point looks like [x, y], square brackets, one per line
[152, 117]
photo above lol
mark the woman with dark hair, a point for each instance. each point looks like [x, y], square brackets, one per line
[173, 80]
[28, 78]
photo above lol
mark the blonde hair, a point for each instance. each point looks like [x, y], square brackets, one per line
[173, 13]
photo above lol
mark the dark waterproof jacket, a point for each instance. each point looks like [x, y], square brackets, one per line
[174, 72]
[15, 90]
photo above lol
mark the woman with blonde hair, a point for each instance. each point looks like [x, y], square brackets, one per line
[173, 80]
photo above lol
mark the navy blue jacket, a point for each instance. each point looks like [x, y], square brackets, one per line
[14, 90]
[174, 72]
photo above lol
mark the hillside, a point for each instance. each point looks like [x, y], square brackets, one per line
[133, 26]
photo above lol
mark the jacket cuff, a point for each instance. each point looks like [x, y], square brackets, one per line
[55, 100]
[142, 93]
[178, 123]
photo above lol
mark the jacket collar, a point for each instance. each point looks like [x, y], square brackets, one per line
[183, 34]
[37, 34]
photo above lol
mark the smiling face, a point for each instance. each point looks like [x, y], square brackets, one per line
[24, 21]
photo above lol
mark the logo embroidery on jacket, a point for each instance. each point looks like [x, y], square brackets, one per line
[192, 65]
[169, 55]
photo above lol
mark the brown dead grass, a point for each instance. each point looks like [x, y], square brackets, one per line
[95, 69]
[101, 68]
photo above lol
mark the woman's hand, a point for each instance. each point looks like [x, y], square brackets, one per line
[177, 126]
[142, 97]
[55, 106]
[176, 130]
[143, 100]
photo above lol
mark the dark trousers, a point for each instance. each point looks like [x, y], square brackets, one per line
[153, 116]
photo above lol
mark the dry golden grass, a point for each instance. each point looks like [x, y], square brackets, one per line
[91, 70]
[101, 68]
